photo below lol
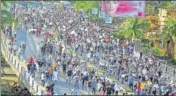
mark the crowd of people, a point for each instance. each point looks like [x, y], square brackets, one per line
[143, 74]
[94, 43]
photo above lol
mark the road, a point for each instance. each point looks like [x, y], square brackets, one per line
[32, 49]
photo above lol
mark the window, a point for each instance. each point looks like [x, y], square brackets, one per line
[161, 44]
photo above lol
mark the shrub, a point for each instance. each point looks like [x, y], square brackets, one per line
[174, 62]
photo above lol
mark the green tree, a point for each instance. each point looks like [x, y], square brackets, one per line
[132, 28]
[167, 5]
[155, 51]
[7, 18]
[151, 9]
[169, 34]
[86, 6]
[146, 45]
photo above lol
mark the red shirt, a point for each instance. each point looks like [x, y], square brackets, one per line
[39, 29]
[89, 84]
[31, 60]
[48, 93]
[107, 84]
[139, 86]
[47, 34]
[140, 14]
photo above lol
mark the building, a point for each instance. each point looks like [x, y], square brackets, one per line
[158, 23]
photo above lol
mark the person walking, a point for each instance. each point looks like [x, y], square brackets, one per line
[43, 78]
[108, 90]
[99, 85]
[55, 75]
[54, 65]
[20, 52]
[50, 71]
[64, 62]
[93, 86]
[29, 67]
[112, 85]
[76, 82]
[131, 81]
[69, 75]
[33, 69]
[101, 92]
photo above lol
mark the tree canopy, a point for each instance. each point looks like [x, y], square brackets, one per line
[7, 18]
[132, 28]
[86, 6]
[151, 9]
[169, 30]
[167, 5]
[169, 34]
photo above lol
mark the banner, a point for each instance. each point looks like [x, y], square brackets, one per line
[108, 20]
[102, 15]
[94, 11]
[124, 8]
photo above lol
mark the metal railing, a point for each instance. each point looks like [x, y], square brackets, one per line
[20, 69]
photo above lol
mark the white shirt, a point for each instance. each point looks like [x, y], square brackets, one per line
[123, 75]
[150, 61]
[37, 67]
[19, 50]
[91, 48]
[88, 55]
[144, 71]
[86, 73]
[117, 88]
[43, 76]
[14, 47]
[76, 78]
[155, 85]
[99, 85]
[102, 63]
[55, 74]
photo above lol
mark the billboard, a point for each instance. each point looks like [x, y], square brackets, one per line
[123, 8]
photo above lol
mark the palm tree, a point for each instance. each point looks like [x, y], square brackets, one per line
[6, 17]
[132, 28]
[169, 34]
